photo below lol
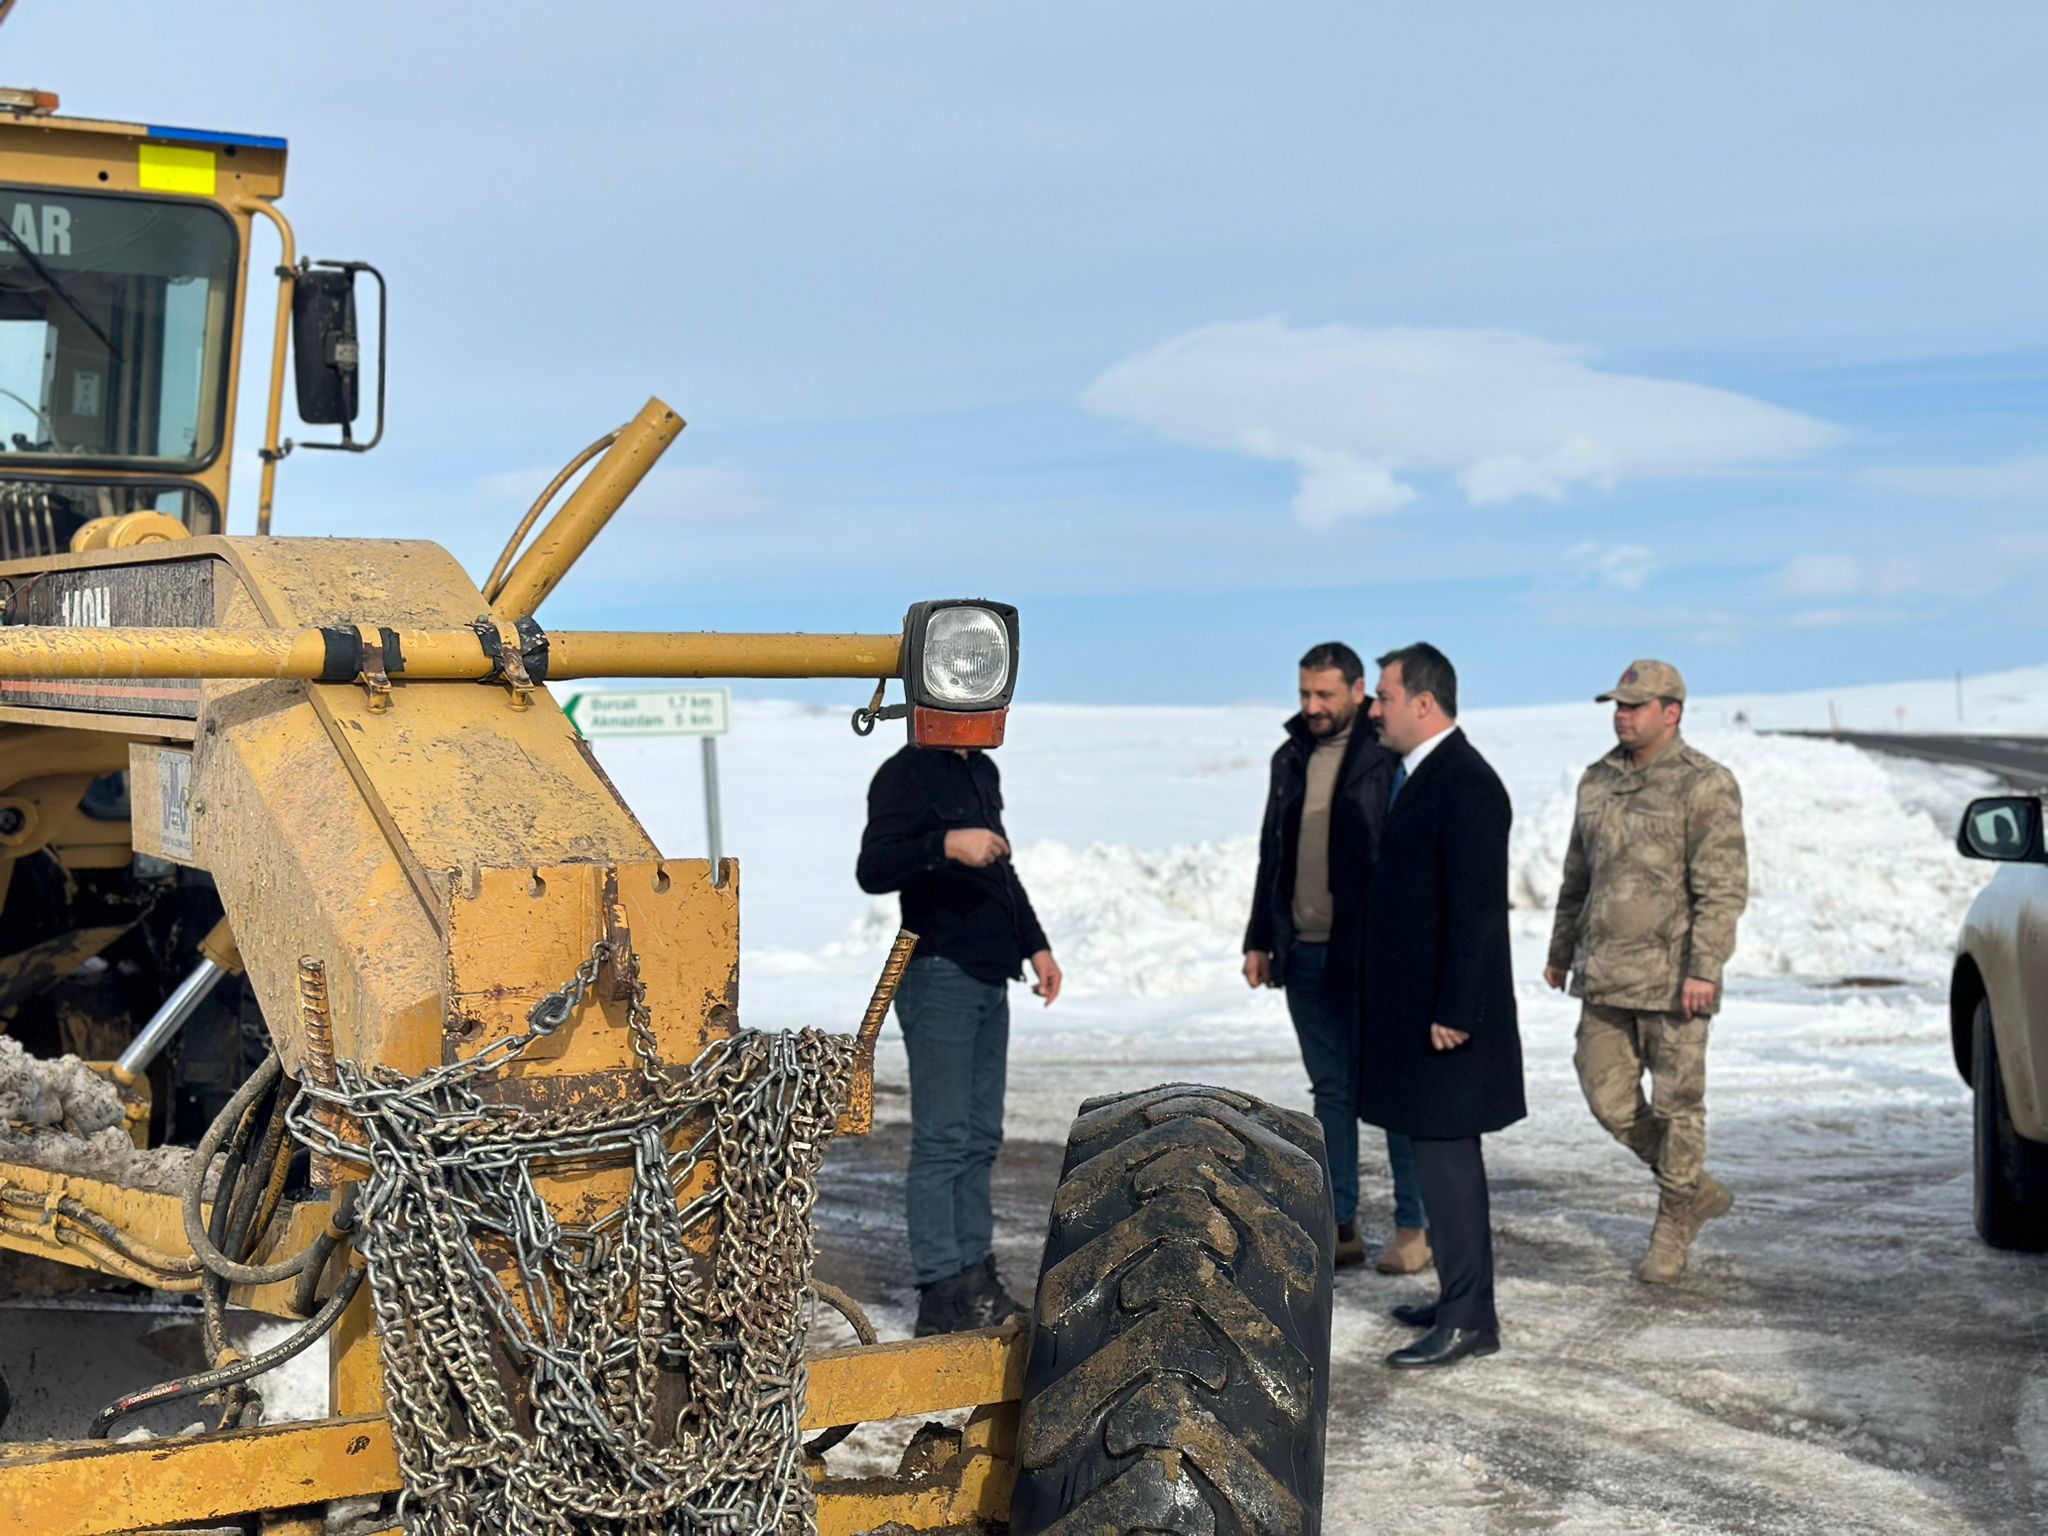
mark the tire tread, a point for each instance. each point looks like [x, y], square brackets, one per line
[1179, 1363]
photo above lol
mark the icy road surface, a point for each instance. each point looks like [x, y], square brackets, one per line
[1845, 1355]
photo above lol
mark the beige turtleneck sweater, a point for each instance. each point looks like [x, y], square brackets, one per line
[1312, 906]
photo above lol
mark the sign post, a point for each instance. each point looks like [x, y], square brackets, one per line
[705, 712]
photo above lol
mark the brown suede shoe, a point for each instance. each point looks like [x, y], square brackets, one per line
[1407, 1254]
[1350, 1246]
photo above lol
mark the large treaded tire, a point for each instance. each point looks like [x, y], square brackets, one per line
[1179, 1367]
[2011, 1173]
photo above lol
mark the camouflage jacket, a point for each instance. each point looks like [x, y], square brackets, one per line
[1656, 875]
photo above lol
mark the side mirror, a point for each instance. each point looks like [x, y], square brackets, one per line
[2002, 828]
[327, 352]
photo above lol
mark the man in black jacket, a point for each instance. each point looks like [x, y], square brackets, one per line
[935, 834]
[1325, 804]
[1441, 1053]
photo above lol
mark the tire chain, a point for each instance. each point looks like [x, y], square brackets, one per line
[620, 1384]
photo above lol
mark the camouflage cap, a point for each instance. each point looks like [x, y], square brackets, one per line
[1646, 680]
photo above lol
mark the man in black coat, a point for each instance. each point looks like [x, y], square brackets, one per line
[935, 835]
[1325, 804]
[1440, 1052]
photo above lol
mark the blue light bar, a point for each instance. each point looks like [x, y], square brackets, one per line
[211, 136]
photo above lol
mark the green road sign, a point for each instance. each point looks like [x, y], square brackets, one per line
[651, 712]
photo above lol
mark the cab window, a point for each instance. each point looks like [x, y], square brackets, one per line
[116, 314]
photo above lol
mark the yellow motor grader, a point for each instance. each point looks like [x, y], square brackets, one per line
[409, 1035]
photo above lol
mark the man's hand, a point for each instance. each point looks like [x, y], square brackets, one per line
[1553, 977]
[1698, 996]
[976, 847]
[1445, 1039]
[1049, 975]
[1258, 968]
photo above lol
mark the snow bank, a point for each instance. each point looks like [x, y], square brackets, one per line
[1853, 868]
[1853, 872]
[1137, 922]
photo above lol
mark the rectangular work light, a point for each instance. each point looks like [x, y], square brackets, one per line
[959, 670]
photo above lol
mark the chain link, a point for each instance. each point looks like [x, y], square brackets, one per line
[636, 1373]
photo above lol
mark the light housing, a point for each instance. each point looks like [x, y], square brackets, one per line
[959, 659]
[26, 103]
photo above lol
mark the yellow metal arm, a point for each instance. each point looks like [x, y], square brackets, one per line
[589, 507]
[611, 653]
[431, 655]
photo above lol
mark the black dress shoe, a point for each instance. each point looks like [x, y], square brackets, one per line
[1445, 1346]
[1416, 1314]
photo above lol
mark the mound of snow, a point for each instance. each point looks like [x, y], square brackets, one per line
[1853, 872]
[1852, 861]
[1139, 922]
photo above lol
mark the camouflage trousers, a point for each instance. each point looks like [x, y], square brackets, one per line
[1668, 1130]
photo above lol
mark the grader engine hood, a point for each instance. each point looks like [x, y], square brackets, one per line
[387, 840]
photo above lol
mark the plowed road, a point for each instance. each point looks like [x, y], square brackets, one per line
[2022, 761]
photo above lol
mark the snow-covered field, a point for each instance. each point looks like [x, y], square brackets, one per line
[1845, 1356]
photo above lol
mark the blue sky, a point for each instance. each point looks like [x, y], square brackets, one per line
[1556, 334]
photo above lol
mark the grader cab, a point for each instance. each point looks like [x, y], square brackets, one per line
[406, 1032]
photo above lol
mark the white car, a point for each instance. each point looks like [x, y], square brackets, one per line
[1998, 1017]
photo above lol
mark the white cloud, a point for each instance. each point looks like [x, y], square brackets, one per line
[1845, 617]
[1609, 568]
[1822, 576]
[2022, 479]
[1336, 485]
[1961, 570]
[1624, 567]
[1509, 415]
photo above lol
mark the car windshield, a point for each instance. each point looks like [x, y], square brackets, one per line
[115, 314]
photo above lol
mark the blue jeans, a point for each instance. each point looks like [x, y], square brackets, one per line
[956, 1032]
[1327, 1028]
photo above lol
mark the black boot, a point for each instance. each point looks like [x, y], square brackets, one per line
[949, 1305]
[994, 1304]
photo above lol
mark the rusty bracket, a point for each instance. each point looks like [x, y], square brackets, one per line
[517, 680]
[620, 974]
[858, 1118]
[507, 647]
[378, 665]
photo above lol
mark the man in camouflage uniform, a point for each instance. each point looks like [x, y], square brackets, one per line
[1654, 880]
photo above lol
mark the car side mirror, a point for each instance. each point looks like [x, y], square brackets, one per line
[2002, 828]
[327, 350]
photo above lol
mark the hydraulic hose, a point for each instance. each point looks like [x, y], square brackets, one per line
[102, 1230]
[339, 1226]
[496, 580]
[242, 1208]
[260, 1175]
[260, 1082]
[102, 1255]
[240, 1371]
